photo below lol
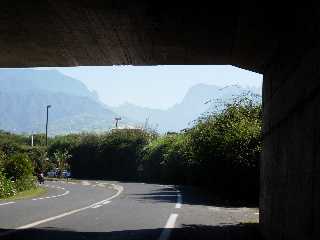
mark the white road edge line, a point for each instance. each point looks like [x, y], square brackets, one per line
[117, 187]
[7, 203]
[165, 234]
[179, 201]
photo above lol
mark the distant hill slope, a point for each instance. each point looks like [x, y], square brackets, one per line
[24, 94]
[199, 99]
[29, 80]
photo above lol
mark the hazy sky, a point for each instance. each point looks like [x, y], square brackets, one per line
[156, 86]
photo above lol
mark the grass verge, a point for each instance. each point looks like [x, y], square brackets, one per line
[35, 192]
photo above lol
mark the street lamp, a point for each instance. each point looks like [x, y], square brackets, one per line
[48, 106]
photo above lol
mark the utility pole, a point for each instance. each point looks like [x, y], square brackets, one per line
[117, 120]
[48, 106]
[146, 123]
[32, 140]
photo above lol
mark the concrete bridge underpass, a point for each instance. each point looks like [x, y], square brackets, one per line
[282, 43]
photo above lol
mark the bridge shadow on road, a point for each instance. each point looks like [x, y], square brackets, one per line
[191, 196]
[186, 232]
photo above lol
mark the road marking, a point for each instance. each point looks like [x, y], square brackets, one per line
[55, 196]
[165, 234]
[85, 183]
[97, 206]
[67, 192]
[117, 187]
[179, 200]
[7, 203]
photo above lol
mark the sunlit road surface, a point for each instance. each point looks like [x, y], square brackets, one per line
[115, 210]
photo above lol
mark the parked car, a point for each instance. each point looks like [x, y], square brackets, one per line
[52, 173]
[56, 173]
[66, 174]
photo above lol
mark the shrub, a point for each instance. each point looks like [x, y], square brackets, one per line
[220, 152]
[228, 146]
[6, 186]
[18, 166]
[167, 159]
[25, 183]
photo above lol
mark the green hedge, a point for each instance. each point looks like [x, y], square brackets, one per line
[222, 152]
[112, 155]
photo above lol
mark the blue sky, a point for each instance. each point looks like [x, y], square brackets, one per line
[157, 86]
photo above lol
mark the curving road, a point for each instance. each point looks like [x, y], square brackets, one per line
[113, 210]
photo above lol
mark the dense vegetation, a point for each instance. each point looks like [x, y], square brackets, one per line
[18, 163]
[113, 155]
[220, 152]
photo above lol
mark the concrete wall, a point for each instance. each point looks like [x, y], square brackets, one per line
[290, 171]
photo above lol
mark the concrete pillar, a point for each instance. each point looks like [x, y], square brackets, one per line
[290, 169]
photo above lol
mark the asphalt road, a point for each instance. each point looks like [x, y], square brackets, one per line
[114, 210]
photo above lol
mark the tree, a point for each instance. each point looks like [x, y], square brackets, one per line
[61, 159]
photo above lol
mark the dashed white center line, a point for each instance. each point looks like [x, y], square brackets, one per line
[55, 196]
[96, 206]
[7, 203]
[165, 234]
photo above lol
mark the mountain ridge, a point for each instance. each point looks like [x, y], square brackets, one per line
[25, 93]
[199, 99]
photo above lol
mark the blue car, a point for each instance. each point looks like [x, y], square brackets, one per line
[66, 174]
